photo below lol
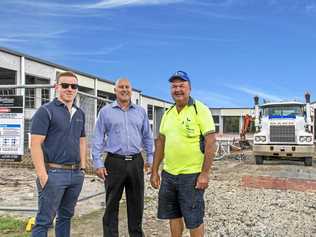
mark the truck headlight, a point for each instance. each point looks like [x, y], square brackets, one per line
[302, 139]
[260, 138]
[306, 138]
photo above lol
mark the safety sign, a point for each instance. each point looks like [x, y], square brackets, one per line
[11, 127]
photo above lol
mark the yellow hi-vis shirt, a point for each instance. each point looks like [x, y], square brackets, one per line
[182, 154]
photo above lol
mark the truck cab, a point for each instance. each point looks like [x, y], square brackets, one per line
[283, 131]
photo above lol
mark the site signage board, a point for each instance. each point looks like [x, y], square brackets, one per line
[11, 127]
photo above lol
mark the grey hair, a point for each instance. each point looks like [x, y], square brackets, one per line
[121, 79]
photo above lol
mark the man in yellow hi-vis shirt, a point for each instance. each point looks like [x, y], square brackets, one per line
[186, 143]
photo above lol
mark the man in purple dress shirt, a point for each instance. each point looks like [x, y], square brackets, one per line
[122, 130]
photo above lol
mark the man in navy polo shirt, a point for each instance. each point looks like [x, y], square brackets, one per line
[58, 152]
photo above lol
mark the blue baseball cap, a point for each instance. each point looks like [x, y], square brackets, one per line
[180, 75]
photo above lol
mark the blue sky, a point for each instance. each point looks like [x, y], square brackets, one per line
[232, 49]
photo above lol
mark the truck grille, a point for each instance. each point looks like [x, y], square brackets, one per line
[282, 133]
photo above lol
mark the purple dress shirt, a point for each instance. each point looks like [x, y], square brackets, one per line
[121, 132]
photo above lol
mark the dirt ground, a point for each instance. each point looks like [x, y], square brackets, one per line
[231, 209]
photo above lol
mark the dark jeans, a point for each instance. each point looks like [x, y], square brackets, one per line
[59, 196]
[178, 198]
[128, 174]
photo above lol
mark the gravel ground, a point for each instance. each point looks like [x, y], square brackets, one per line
[18, 191]
[231, 210]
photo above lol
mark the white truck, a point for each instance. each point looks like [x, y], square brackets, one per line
[283, 131]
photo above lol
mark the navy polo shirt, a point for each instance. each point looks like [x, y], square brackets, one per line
[62, 132]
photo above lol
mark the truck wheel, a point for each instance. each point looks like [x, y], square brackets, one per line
[308, 161]
[259, 160]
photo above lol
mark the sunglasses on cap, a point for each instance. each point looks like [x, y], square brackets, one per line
[180, 74]
[66, 86]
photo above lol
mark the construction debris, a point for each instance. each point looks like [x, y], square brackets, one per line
[231, 209]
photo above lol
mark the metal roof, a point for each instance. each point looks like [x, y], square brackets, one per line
[10, 51]
[231, 108]
[283, 103]
[151, 97]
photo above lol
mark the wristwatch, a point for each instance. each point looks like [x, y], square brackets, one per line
[83, 169]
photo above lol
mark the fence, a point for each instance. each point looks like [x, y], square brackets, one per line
[37, 95]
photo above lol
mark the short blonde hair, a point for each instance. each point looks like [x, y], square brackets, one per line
[66, 74]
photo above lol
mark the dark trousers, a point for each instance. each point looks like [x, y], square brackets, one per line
[128, 174]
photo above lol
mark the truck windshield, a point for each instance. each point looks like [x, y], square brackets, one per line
[283, 110]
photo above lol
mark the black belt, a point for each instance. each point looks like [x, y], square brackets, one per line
[124, 157]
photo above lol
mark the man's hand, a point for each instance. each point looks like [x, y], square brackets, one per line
[43, 180]
[147, 168]
[101, 173]
[155, 180]
[202, 181]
